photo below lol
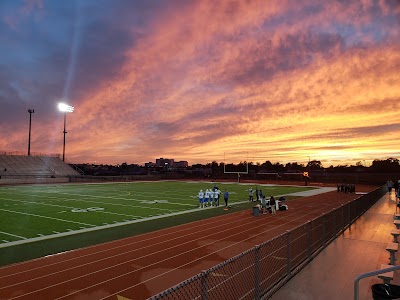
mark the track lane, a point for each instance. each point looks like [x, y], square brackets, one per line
[132, 268]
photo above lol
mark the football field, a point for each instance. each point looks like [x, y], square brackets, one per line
[40, 211]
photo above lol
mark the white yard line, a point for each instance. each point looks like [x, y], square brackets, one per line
[18, 236]
[62, 220]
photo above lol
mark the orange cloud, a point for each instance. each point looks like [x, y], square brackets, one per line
[262, 79]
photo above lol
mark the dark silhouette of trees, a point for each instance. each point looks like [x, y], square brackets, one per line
[385, 165]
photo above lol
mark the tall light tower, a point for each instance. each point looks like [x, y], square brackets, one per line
[30, 111]
[65, 108]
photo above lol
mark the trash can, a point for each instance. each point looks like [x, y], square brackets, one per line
[256, 211]
[385, 291]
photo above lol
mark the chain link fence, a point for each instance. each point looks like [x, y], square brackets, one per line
[259, 272]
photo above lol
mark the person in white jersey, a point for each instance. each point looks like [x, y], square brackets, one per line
[201, 196]
[211, 194]
[206, 197]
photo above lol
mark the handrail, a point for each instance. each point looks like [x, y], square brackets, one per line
[369, 274]
[20, 153]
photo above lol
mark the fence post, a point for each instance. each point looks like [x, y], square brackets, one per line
[289, 260]
[349, 220]
[309, 246]
[204, 285]
[334, 231]
[323, 229]
[257, 272]
[343, 221]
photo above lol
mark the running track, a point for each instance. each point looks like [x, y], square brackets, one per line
[144, 265]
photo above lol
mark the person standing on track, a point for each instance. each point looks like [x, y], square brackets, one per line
[272, 203]
[263, 205]
[226, 198]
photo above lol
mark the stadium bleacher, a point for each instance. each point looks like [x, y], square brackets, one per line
[18, 166]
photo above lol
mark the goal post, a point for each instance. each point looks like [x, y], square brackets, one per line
[235, 165]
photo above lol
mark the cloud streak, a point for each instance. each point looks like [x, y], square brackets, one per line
[192, 80]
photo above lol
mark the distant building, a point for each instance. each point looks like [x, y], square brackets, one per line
[164, 162]
[181, 164]
[149, 165]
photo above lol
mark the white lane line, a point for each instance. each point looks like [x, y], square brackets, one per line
[39, 216]
[177, 255]
[160, 251]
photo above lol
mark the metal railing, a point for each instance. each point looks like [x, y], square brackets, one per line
[259, 272]
[20, 153]
[369, 274]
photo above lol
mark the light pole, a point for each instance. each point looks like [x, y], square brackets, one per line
[65, 108]
[30, 111]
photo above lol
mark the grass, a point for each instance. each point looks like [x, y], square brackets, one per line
[31, 212]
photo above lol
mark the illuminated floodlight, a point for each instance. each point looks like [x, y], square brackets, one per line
[65, 107]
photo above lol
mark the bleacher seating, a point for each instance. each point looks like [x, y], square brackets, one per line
[34, 166]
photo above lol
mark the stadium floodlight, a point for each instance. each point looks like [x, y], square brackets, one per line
[30, 111]
[65, 108]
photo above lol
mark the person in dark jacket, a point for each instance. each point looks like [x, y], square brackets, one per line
[226, 197]
[272, 202]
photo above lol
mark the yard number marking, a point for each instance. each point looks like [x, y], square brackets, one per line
[87, 209]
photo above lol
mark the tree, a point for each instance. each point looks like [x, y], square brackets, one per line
[314, 165]
[390, 164]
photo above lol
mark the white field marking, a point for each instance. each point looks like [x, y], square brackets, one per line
[142, 219]
[106, 203]
[18, 236]
[184, 265]
[183, 196]
[213, 253]
[33, 202]
[27, 214]
[121, 246]
[180, 194]
[109, 197]
[84, 201]
[112, 213]
[125, 245]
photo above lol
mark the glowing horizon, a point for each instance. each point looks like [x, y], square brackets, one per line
[194, 80]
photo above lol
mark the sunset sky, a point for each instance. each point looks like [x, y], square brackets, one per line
[284, 81]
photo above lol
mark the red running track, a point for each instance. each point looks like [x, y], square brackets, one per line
[144, 265]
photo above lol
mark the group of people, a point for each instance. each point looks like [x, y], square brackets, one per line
[346, 188]
[258, 192]
[271, 204]
[210, 197]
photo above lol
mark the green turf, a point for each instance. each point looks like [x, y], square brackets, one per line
[42, 210]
